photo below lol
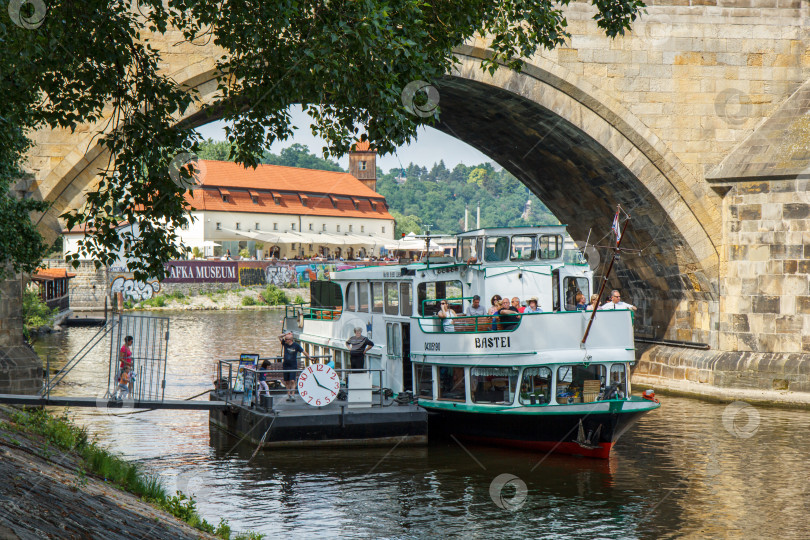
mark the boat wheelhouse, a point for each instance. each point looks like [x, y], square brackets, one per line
[527, 380]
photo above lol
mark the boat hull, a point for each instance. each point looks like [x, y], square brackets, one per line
[554, 429]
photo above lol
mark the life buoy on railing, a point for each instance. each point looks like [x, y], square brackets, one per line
[649, 394]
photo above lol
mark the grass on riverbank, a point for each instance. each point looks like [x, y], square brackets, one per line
[61, 433]
[268, 296]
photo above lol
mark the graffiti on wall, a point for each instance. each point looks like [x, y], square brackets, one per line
[281, 276]
[252, 276]
[137, 291]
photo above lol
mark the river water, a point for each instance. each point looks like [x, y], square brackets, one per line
[689, 469]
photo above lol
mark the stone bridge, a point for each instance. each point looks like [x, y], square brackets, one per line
[696, 123]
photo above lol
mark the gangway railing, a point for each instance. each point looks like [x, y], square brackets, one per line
[78, 357]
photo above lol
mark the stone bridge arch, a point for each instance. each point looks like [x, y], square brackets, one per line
[573, 145]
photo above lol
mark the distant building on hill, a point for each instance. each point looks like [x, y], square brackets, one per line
[283, 212]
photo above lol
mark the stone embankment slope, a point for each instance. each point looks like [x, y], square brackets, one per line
[46, 493]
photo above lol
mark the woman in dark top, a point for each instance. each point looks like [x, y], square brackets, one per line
[358, 346]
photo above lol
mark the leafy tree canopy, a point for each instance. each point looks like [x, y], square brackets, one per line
[348, 62]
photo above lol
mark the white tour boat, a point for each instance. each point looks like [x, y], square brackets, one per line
[526, 381]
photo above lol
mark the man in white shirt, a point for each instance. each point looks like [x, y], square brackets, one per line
[616, 302]
[476, 308]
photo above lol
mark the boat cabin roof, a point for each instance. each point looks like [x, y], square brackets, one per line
[503, 231]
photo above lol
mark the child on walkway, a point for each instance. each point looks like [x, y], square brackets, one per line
[123, 384]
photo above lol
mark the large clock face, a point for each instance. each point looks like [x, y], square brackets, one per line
[318, 385]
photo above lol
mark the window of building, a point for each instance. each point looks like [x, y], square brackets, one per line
[493, 384]
[351, 300]
[451, 384]
[429, 294]
[275, 226]
[383, 230]
[238, 226]
[324, 227]
[225, 198]
[254, 199]
[550, 246]
[292, 225]
[535, 388]
[377, 297]
[572, 285]
[362, 297]
[184, 226]
[351, 228]
[219, 226]
[424, 380]
[338, 228]
[362, 165]
[405, 305]
[391, 299]
[310, 227]
[303, 202]
[362, 228]
[523, 248]
[277, 200]
[496, 248]
[257, 225]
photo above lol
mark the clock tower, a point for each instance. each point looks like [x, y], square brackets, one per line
[363, 164]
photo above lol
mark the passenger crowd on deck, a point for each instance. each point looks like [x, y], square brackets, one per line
[506, 314]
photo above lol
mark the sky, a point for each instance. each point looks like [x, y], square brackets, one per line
[431, 146]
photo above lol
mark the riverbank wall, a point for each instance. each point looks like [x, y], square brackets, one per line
[765, 378]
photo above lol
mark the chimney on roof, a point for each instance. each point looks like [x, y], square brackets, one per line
[363, 164]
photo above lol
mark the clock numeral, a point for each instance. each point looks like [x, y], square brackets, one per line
[317, 402]
[309, 369]
[319, 367]
[334, 376]
[334, 394]
[303, 393]
[303, 377]
[310, 399]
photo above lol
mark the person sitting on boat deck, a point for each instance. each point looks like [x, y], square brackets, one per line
[263, 389]
[533, 306]
[516, 305]
[616, 302]
[508, 315]
[446, 313]
[476, 309]
[289, 362]
[581, 305]
[494, 309]
[594, 302]
[358, 346]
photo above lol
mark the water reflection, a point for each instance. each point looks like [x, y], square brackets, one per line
[681, 471]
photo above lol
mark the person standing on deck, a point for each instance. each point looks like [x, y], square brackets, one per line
[358, 346]
[615, 302]
[289, 362]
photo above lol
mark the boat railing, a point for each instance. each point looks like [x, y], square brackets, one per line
[244, 380]
[309, 312]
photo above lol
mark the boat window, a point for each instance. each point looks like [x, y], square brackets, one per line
[424, 380]
[391, 299]
[405, 306]
[550, 246]
[393, 339]
[351, 297]
[572, 286]
[523, 248]
[325, 294]
[377, 297]
[451, 384]
[429, 294]
[555, 290]
[362, 296]
[470, 249]
[617, 376]
[493, 384]
[535, 388]
[574, 379]
[496, 248]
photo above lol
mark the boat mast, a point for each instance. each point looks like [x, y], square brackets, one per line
[605, 278]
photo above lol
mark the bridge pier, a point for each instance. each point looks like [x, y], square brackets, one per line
[20, 367]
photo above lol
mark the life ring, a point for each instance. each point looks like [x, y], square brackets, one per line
[649, 394]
